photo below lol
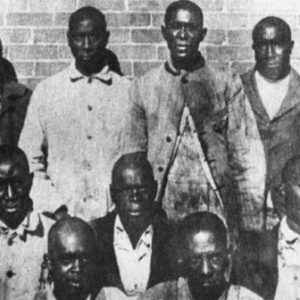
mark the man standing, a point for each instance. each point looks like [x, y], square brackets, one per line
[23, 230]
[72, 262]
[77, 116]
[205, 260]
[135, 238]
[198, 129]
[272, 87]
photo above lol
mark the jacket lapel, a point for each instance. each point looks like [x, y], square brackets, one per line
[293, 96]
[254, 97]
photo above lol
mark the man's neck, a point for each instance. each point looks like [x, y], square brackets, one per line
[135, 230]
[89, 69]
[190, 65]
[62, 295]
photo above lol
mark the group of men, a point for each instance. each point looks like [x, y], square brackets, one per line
[188, 176]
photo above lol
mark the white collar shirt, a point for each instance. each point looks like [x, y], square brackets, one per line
[81, 121]
[288, 263]
[21, 256]
[272, 94]
[134, 264]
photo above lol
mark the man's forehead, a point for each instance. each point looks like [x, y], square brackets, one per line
[271, 32]
[9, 168]
[185, 15]
[205, 242]
[87, 22]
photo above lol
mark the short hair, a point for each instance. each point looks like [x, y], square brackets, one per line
[183, 4]
[71, 224]
[202, 221]
[272, 21]
[132, 160]
[290, 169]
[14, 154]
[87, 12]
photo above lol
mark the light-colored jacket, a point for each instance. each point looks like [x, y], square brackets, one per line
[226, 128]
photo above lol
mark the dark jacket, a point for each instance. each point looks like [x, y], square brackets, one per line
[281, 135]
[14, 101]
[161, 264]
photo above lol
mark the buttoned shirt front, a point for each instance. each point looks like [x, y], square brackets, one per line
[21, 256]
[133, 263]
[288, 263]
[80, 121]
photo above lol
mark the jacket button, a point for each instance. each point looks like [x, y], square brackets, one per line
[160, 169]
[168, 139]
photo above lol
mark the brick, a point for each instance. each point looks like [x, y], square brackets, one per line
[225, 53]
[134, 52]
[64, 52]
[119, 35]
[29, 19]
[157, 19]
[32, 52]
[126, 67]
[61, 19]
[128, 19]
[13, 5]
[225, 21]
[240, 37]
[1, 19]
[140, 68]
[242, 67]
[48, 69]
[255, 18]
[18, 36]
[24, 69]
[49, 35]
[296, 53]
[161, 5]
[267, 7]
[146, 36]
[218, 64]
[51, 6]
[104, 4]
[162, 52]
[215, 37]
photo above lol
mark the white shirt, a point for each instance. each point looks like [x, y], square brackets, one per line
[21, 255]
[272, 93]
[134, 264]
[81, 121]
[288, 263]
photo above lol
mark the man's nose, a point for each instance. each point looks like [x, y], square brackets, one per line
[206, 267]
[76, 265]
[183, 32]
[86, 42]
[9, 191]
[270, 50]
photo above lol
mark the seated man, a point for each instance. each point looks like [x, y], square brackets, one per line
[22, 229]
[205, 264]
[134, 238]
[71, 262]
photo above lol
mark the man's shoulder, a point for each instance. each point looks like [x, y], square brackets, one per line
[238, 292]
[152, 77]
[104, 224]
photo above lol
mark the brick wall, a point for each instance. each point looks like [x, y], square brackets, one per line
[33, 32]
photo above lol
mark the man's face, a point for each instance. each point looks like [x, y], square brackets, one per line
[134, 195]
[15, 184]
[183, 33]
[73, 265]
[87, 40]
[272, 52]
[207, 263]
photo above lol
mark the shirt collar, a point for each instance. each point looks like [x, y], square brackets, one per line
[287, 234]
[169, 67]
[146, 237]
[32, 225]
[104, 76]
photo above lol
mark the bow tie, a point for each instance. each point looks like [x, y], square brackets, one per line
[104, 79]
[5, 232]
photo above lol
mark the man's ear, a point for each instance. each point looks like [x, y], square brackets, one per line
[69, 37]
[107, 35]
[154, 188]
[203, 34]
[30, 180]
[291, 46]
[164, 32]
[112, 193]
